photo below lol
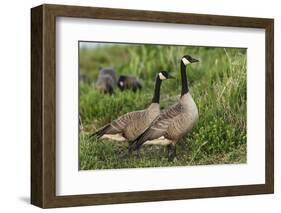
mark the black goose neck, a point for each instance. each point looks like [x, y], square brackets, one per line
[156, 96]
[184, 82]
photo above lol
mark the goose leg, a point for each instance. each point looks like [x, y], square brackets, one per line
[171, 152]
[130, 151]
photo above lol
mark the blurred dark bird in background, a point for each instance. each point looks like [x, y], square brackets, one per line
[106, 81]
[129, 82]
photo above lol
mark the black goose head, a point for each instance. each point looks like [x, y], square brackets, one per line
[121, 81]
[187, 59]
[164, 75]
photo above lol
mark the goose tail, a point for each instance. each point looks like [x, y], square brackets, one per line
[98, 134]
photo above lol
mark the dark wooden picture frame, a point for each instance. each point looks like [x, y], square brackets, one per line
[43, 105]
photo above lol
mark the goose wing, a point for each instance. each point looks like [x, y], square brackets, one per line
[119, 124]
[158, 127]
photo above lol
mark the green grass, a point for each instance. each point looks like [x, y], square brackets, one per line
[217, 84]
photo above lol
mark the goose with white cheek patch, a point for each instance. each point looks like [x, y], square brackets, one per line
[126, 82]
[173, 123]
[129, 126]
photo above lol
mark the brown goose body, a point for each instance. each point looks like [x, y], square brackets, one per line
[132, 124]
[185, 119]
[129, 126]
[179, 119]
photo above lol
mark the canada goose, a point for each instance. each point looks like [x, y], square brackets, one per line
[106, 80]
[129, 126]
[173, 123]
[129, 82]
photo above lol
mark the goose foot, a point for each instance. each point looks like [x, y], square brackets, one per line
[171, 152]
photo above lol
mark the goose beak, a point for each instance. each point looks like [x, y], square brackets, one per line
[193, 60]
[171, 77]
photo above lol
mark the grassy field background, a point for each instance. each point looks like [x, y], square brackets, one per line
[217, 84]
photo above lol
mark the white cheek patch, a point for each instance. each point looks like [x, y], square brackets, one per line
[185, 61]
[161, 76]
[121, 83]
